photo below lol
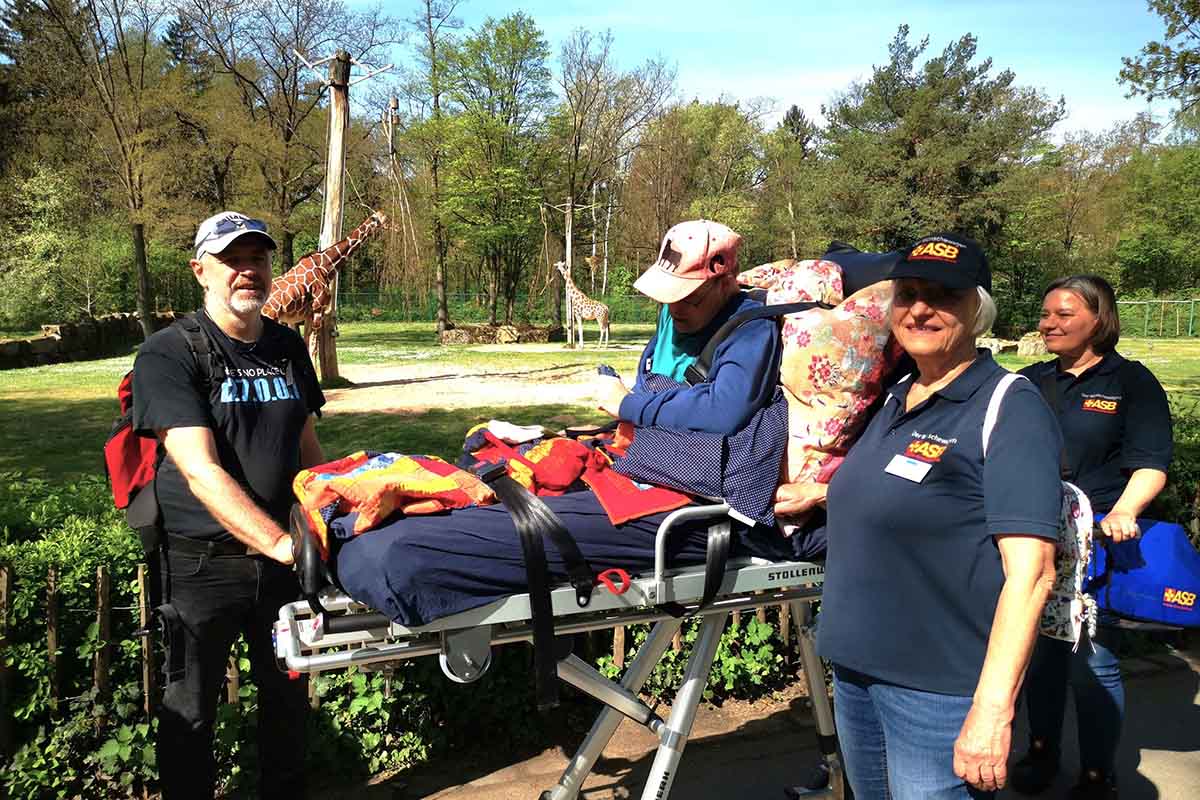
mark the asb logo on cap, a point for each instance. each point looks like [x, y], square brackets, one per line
[935, 251]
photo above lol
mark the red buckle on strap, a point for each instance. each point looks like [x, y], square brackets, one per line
[616, 580]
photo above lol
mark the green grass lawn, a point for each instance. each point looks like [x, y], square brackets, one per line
[54, 420]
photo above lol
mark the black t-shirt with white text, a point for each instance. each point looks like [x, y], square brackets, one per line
[256, 414]
[1115, 419]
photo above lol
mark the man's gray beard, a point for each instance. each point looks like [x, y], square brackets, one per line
[248, 306]
[244, 307]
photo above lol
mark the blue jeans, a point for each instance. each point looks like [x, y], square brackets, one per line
[1095, 680]
[898, 743]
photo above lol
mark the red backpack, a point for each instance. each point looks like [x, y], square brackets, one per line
[131, 460]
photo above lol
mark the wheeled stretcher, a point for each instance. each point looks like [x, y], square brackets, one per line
[331, 631]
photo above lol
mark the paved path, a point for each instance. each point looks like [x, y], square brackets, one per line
[749, 752]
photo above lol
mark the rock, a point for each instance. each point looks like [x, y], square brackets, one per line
[44, 346]
[1031, 344]
[997, 346]
[507, 334]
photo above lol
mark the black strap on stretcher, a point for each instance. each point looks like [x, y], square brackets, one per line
[534, 521]
[715, 559]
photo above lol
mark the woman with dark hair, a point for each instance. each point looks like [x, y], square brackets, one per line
[1117, 442]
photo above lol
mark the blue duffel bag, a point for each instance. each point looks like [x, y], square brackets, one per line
[1153, 578]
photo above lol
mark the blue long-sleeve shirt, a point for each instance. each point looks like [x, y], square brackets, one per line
[742, 379]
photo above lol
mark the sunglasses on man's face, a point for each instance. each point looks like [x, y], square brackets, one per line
[230, 225]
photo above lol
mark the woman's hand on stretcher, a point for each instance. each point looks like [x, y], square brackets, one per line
[610, 391]
[796, 498]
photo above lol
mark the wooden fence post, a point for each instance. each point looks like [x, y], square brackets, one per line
[102, 657]
[52, 634]
[232, 684]
[619, 646]
[147, 643]
[5, 712]
[785, 631]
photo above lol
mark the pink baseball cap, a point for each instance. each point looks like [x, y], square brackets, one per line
[692, 252]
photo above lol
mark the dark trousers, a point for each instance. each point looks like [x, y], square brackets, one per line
[1092, 672]
[214, 599]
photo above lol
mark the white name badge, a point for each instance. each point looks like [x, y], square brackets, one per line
[908, 468]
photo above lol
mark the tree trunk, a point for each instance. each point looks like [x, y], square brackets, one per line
[145, 310]
[494, 282]
[286, 254]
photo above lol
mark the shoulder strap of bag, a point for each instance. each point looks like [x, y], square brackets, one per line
[208, 359]
[993, 409]
[698, 371]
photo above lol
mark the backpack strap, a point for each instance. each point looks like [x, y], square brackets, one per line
[698, 371]
[993, 409]
[208, 358]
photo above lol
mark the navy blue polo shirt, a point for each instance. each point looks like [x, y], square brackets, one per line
[1115, 419]
[913, 573]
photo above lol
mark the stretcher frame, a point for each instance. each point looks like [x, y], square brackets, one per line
[336, 632]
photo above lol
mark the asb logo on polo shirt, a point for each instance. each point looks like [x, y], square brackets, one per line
[928, 448]
[935, 251]
[1100, 403]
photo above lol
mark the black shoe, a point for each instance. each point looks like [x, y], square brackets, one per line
[1094, 785]
[1036, 770]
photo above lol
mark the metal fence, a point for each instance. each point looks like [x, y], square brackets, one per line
[398, 306]
[1159, 318]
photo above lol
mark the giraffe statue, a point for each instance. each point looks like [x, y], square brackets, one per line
[301, 295]
[584, 307]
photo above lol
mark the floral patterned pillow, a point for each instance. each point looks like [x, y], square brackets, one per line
[834, 361]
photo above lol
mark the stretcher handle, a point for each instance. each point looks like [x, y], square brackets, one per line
[356, 623]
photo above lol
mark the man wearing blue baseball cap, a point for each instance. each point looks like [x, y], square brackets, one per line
[232, 397]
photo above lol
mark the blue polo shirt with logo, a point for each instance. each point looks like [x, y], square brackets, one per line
[913, 573]
[1115, 419]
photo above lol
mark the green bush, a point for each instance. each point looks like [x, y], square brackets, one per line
[368, 722]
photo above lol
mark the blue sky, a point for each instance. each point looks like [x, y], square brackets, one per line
[803, 52]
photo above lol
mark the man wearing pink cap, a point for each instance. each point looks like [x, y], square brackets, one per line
[695, 279]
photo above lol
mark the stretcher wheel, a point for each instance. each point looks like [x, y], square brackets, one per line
[466, 654]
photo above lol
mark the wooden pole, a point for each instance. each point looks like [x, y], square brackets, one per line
[619, 646]
[102, 660]
[52, 634]
[570, 213]
[232, 684]
[1162, 315]
[5, 712]
[147, 645]
[785, 631]
[335, 173]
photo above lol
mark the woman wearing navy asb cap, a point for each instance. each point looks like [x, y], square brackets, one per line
[939, 560]
[1117, 427]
